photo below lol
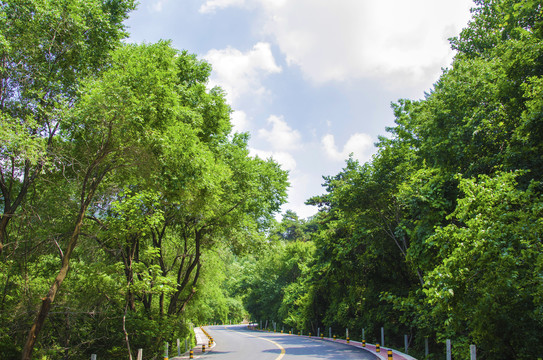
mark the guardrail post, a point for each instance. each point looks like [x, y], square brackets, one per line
[318, 332]
[377, 348]
[426, 348]
[330, 332]
[178, 347]
[472, 352]
[389, 355]
[347, 335]
[363, 335]
[140, 354]
[382, 336]
[449, 352]
[363, 343]
[191, 354]
[405, 342]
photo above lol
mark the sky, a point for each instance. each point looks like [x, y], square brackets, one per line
[312, 81]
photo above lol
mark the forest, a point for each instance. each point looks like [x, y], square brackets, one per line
[132, 212]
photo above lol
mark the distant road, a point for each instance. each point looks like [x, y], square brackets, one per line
[237, 343]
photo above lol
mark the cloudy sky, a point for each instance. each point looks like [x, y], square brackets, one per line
[311, 80]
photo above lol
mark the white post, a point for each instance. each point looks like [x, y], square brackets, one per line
[178, 347]
[186, 345]
[140, 354]
[472, 352]
[346, 333]
[382, 337]
[330, 332]
[93, 356]
[426, 348]
[449, 352]
[405, 342]
[318, 332]
[363, 335]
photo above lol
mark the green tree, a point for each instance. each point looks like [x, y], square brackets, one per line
[46, 48]
[485, 287]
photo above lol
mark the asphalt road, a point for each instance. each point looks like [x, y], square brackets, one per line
[238, 343]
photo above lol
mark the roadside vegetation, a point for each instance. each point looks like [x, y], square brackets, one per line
[130, 211]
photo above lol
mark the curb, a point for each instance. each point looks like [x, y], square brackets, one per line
[398, 355]
[200, 335]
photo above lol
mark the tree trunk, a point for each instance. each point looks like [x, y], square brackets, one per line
[50, 297]
[93, 178]
[9, 207]
[172, 308]
[192, 290]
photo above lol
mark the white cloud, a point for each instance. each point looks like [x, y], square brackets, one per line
[239, 121]
[301, 188]
[403, 43]
[360, 145]
[281, 136]
[157, 6]
[212, 5]
[285, 159]
[241, 73]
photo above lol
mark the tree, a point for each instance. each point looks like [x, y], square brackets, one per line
[109, 131]
[484, 284]
[46, 48]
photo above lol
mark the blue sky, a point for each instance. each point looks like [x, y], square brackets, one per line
[311, 80]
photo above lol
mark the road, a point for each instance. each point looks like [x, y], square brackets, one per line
[238, 343]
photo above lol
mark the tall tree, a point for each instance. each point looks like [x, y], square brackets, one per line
[46, 48]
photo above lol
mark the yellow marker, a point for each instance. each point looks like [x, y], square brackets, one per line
[390, 356]
[203, 348]
[363, 343]
[377, 348]
[191, 354]
[348, 340]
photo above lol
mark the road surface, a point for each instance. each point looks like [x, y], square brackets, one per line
[239, 343]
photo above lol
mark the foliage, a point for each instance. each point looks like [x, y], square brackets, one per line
[118, 165]
[439, 235]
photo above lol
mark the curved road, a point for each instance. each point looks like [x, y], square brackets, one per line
[239, 343]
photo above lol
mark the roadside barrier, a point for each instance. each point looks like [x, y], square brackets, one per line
[377, 348]
[390, 356]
